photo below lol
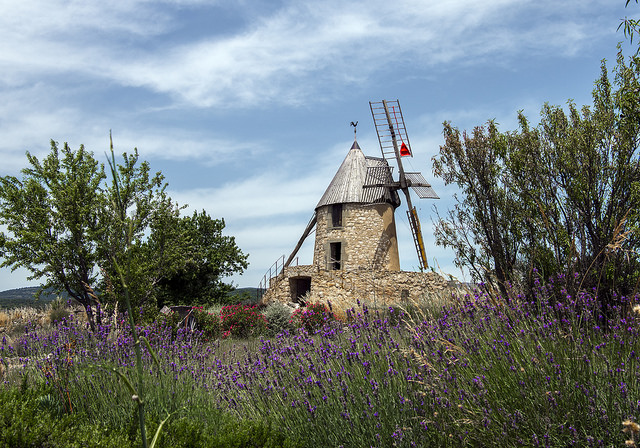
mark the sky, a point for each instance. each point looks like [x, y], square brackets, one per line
[245, 106]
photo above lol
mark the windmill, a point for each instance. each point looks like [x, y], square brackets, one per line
[378, 179]
[354, 220]
[394, 144]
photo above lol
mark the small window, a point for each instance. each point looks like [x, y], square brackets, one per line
[404, 295]
[336, 215]
[335, 254]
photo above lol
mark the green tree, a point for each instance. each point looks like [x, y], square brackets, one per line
[558, 198]
[90, 234]
[631, 27]
[205, 257]
[481, 225]
[136, 204]
[52, 218]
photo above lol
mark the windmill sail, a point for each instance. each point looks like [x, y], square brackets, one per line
[419, 184]
[394, 144]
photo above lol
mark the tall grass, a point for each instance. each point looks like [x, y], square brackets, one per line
[530, 371]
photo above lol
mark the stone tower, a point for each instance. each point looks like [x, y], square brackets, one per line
[355, 226]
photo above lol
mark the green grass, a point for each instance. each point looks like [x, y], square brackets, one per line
[31, 416]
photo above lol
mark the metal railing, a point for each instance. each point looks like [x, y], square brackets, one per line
[275, 270]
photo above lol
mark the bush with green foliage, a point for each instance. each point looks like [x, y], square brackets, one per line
[170, 320]
[146, 315]
[30, 417]
[58, 311]
[559, 197]
[206, 322]
[278, 317]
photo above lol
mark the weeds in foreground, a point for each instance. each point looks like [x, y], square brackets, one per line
[480, 372]
[632, 430]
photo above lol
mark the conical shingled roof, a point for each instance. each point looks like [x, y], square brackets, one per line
[347, 184]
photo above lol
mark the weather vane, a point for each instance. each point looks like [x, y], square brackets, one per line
[355, 128]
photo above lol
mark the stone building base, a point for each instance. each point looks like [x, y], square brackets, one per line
[344, 289]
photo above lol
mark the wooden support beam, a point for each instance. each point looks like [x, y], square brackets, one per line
[306, 233]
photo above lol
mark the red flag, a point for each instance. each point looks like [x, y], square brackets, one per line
[404, 150]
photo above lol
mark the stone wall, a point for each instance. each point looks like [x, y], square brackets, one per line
[344, 289]
[279, 286]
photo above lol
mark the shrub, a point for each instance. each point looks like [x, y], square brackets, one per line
[58, 311]
[29, 417]
[5, 320]
[26, 422]
[278, 317]
[146, 315]
[215, 309]
[241, 321]
[312, 317]
[198, 319]
[208, 323]
[170, 320]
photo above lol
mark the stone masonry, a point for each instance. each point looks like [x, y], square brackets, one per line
[344, 289]
[367, 236]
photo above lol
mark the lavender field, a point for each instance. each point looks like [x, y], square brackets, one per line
[482, 371]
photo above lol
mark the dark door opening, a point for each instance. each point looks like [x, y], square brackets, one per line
[299, 287]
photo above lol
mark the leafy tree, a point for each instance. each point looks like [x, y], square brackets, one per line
[558, 198]
[136, 204]
[53, 215]
[483, 225]
[631, 27]
[206, 257]
[90, 235]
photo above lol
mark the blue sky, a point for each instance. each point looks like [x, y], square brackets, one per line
[245, 105]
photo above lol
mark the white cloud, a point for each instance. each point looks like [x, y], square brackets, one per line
[284, 57]
[287, 56]
[181, 145]
[63, 18]
[260, 197]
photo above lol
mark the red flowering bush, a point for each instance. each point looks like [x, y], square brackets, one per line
[241, 321]
[312, 317]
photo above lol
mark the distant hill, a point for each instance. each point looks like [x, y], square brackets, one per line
[241, 292]
[15, 298]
